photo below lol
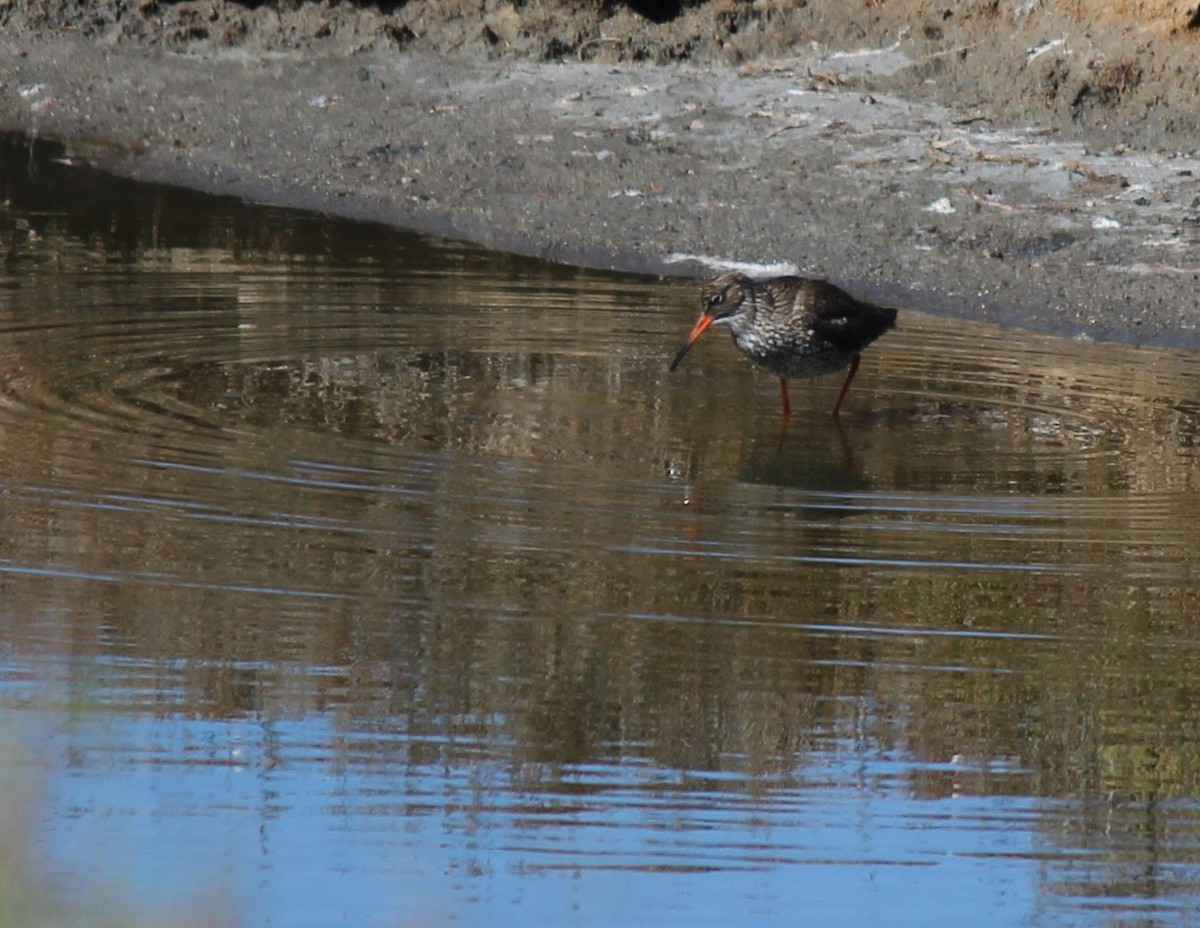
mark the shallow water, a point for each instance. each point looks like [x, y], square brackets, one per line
[355, 577]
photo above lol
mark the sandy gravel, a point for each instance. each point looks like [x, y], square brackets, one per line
[797, 162]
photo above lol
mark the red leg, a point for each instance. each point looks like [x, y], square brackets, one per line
[787, 403]
[837, 407]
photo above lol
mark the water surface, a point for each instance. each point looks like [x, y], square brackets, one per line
[356, 577]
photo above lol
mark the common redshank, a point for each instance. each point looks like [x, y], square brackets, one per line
[791, 327]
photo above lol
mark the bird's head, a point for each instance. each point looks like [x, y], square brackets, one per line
[721, 299]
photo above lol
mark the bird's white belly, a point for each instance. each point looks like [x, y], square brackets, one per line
[793, 358]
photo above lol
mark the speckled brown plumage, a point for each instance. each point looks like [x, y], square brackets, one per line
[791, 326]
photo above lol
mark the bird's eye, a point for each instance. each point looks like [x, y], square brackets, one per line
[714, 301]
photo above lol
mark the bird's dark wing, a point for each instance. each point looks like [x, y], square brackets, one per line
[845, 322]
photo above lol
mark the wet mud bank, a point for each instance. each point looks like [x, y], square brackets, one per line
[854, 162]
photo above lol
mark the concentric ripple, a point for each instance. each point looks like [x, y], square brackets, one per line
[399, 569]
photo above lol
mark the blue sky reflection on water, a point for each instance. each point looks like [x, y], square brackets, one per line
[352, 577]
[256, 813]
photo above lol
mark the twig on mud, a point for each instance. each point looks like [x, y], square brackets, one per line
[831, 79]
[944, 144]
[598, 40]
[977, 153]
[1101, 181]
[869, 162]
[990, 201]
[798, 124]
[1078, 167]
[1154, 267]
[944, 51]
[1025, 160]
[756, 67]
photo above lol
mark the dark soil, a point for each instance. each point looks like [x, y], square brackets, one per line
[1019, 161]
[1124, 72]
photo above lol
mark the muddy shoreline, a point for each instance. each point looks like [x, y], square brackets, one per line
[798, 162]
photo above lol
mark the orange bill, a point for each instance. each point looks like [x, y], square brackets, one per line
[698, 329]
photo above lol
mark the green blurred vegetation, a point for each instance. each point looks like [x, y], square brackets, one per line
[29, 897]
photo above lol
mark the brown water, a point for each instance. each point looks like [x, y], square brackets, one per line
[354, 577]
